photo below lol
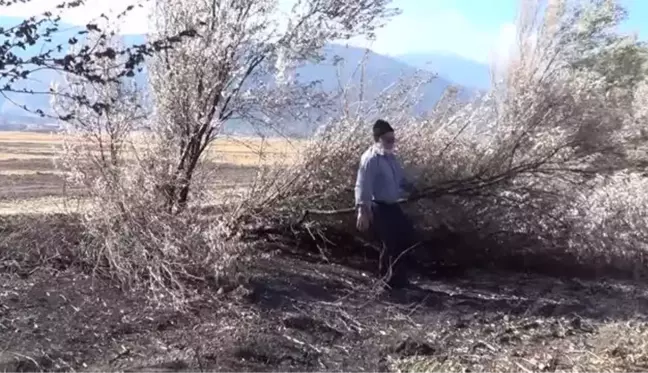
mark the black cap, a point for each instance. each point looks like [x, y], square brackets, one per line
[380, 128]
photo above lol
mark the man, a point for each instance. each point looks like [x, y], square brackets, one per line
[379, 185]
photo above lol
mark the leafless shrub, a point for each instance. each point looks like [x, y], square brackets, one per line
[234, 70]
[521, 167]
[127, 232]
[324, 172]
[139, 166]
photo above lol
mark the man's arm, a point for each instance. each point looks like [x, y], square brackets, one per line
[364, 182]
[405, 183]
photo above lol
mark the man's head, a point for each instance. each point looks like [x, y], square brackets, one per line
[383, 134]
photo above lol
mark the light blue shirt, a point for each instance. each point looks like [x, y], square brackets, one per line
[380, 178]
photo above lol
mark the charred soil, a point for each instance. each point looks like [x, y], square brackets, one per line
[300, 307]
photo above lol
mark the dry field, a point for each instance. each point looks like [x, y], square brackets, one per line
[31, 182]
[291, 310]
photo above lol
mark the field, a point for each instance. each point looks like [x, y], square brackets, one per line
[291, 310]
[32, 183]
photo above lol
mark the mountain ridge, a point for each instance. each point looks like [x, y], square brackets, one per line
[452, 67]
[380, 72]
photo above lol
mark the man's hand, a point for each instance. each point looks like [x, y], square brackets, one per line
[364, 218]
[414, 193]
[411, 189]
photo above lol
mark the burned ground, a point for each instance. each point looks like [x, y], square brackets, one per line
[292, 309]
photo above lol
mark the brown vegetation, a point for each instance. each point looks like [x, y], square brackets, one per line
[532, 205]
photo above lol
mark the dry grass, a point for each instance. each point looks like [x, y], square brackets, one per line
[243, 151]
[12, 156]
[29, 172]
[28, 168]
[42, 205]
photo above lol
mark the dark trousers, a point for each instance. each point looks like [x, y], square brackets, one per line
[397, 234]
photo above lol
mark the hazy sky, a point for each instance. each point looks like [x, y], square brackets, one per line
[475, 29]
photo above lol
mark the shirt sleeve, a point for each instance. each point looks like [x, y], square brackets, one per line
[364, 181]
[405, 183]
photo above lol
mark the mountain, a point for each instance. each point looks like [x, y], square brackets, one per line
[12, 114]
[457, 69]
[380, 72]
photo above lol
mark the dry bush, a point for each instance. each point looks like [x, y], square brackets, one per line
[128, 232]
[143, 168]
[325, 170]
[519, 170]
[234, 70]
[611, 222]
